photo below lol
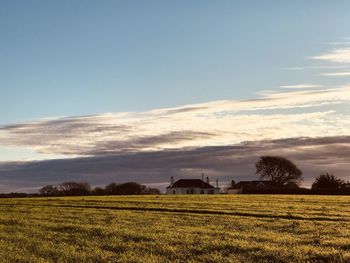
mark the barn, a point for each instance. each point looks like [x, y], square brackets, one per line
[192, 186]
[244, 186]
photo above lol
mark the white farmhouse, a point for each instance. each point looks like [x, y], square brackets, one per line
[192, 186]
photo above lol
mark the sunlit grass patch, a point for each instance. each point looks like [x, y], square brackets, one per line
[221, 228]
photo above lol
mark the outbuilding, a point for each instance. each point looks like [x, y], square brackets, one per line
[244, 186]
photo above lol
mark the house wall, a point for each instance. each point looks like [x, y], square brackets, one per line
[234, 191]
[192, 190]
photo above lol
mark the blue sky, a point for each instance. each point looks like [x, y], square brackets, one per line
[220, 82]
[64, 58]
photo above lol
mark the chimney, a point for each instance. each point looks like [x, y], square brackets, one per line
[171, 181]
[217, 183]
[207, 180]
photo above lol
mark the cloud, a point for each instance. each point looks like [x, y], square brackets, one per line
[295, 68]
[341, 55]
[318, 67]
[336, 74]
[276, 115]
[312, 155]
[222, 138]
[148, 142]
[301, 86]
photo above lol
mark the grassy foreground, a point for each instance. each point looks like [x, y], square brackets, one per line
[221, 228]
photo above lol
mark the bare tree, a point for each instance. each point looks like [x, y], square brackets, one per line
[74, 188]
[278, 169]
[49, 190]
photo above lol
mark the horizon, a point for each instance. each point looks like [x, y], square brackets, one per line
[129, 91]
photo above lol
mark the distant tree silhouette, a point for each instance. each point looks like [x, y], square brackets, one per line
[111, 188]
[49, 190]
[82, 188]
[279, 170]
[130, 188]
[328, 181]
[98, 191]
[74, 188]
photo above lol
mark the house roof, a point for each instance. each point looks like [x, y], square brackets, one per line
[191, 183]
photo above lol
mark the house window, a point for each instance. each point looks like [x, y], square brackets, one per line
[187, 191]
[174, 192]
[192, 191]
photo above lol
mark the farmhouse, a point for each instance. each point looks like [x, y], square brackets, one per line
[192, 186]
[242, 186]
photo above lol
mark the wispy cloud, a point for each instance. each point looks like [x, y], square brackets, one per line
[229, 122]
[300, 68]
[341, 55]
[295, 68]
[336, 74]
[301, 86]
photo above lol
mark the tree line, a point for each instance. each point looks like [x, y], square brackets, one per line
[284, 175]
[287, 177]
[72, 188]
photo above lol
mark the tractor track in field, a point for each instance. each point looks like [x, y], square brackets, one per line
[188, 211]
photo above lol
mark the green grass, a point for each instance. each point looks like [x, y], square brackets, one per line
[213, 228]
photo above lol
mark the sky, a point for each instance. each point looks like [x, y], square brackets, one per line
[94, 90]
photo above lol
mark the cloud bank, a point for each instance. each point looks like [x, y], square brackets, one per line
[221, 138]
[312, 113]
[309, 123]
[312, 155]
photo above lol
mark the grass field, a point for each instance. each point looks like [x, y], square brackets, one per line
[214, 228]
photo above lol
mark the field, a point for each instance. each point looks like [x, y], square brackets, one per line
[221, 228]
